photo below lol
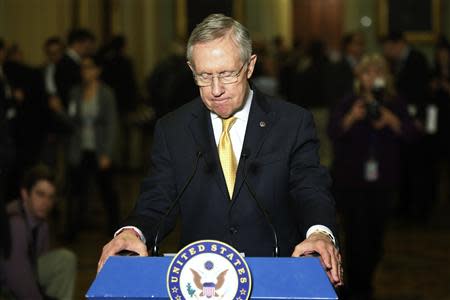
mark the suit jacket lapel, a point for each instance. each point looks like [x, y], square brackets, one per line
[260, 122]
[202, 132]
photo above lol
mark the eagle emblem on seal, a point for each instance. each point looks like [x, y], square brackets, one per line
[209, 288]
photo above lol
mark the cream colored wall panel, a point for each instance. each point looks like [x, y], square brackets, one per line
[268, 18]
[351, 14]
[132, 29]
[29, 22]
[116, 17]
[139, 21]
[151, 42]
[91, 16]
[284, 16]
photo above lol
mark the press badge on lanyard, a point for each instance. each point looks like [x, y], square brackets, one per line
[371, 170]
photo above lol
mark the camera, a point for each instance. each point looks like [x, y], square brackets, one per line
[378, 91]
[373, 110]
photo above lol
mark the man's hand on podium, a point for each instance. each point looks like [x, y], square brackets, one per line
[320, 243]
[125, 240]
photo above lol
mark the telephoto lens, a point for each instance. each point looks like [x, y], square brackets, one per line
[373, 107]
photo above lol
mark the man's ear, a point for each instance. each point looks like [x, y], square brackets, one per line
[251, 65]
[190, 66]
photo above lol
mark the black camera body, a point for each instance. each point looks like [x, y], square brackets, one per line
[373, 110]
[373, 107]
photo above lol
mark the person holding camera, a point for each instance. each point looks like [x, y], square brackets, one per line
[366, 129]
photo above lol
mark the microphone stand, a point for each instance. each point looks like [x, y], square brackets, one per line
[155, 248]
[276, 250]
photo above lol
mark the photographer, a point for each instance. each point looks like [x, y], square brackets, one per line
[366, 129]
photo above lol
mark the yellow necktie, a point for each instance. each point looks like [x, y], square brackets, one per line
[226, 155]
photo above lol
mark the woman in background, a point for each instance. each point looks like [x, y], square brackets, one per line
[366, 129]
[92, 113]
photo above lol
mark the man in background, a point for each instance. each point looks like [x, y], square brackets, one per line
[342, 73]
[32, 270]
[412, 81]
[67, 74]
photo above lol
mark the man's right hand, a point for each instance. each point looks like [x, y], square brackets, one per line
[126, 240]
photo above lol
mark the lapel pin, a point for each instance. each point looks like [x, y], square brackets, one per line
[262, 124]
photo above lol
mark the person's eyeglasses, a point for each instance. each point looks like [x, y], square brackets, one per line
[227, 77]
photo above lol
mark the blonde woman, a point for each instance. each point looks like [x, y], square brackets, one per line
[366, 129]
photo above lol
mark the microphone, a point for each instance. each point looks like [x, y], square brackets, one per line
[155, 248]
[254, 167]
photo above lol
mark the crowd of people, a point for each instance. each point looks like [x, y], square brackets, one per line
[61, 118]
[389, 115]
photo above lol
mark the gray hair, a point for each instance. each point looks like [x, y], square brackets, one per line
[216, 26]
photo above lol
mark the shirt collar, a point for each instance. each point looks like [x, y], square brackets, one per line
[74, 55]
[245, 110]
[30, 218]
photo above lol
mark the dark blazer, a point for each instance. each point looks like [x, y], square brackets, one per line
[67, 75]
[412, 78]
[341, 81]
[282, 168]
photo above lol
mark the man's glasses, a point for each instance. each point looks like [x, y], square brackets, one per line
[227, 77]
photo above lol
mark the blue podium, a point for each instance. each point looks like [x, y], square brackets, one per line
[125, 277]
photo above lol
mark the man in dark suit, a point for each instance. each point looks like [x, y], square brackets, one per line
[410, 69]
[25, 114]
[274, 156]
[342, 72]
[412, 79]
[67, 73]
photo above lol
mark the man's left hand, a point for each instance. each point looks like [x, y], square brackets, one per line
[329, 256]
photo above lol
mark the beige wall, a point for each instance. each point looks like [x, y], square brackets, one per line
[90, 15]
[30, 22]
[354, 10]
[268, 18]
[148, 24]
[137, 20]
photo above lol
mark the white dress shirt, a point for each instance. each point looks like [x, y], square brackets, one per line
[237, 131]
[74, 55]
[50, 85]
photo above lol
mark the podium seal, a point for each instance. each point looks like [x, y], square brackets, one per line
[209, 269]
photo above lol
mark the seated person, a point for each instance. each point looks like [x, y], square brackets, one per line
[32, 271]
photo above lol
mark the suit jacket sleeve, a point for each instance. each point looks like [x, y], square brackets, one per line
[309, 181]
[67, 75]
[157, 191]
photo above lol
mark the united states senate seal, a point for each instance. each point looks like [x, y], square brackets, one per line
[209, 270]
